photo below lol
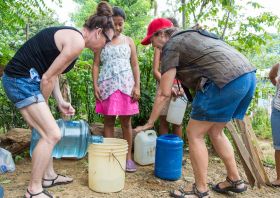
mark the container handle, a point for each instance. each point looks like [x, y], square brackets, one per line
[150, 132]
[118, 161]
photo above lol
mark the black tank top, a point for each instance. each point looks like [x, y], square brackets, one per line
[38, 52]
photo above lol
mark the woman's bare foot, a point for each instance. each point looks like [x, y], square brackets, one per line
[276, 183]
[56, 180]
[38, 194]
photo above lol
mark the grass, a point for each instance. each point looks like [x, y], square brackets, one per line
[261, 124]
[4, 180]
[269, 161]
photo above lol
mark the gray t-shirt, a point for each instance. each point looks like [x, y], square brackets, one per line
[196, 56]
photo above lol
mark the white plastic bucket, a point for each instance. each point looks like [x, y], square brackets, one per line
[176, 110]
[145, 147]
[107, 163]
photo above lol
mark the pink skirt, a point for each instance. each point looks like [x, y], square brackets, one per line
[117, 104]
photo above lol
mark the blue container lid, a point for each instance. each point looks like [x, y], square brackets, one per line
[170, 139]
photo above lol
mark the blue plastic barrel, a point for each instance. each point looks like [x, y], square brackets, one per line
[75, 137]
[169, 156]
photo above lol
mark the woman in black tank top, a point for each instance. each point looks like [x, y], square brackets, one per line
[32, 76]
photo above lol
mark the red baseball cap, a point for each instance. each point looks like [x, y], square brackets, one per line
[154, 26]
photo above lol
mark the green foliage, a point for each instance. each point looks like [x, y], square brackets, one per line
[148, 85]
[4, 179]
[269, 53]
[228, 19]
[261, 123]
[15, 12]
[20, 20]
[81, 85]
[269, 161]
[137, 14]
[86, 8]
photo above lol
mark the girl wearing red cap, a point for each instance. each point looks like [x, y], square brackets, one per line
[117, 86]
[225, 83]
[163, 124]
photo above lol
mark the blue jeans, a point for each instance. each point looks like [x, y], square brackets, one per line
[23, 91]
[275, 126]
[216, 104]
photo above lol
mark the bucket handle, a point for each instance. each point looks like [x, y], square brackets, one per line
[118, 161]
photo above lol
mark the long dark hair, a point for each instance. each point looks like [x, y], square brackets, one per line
[117, 11]
[102, 18]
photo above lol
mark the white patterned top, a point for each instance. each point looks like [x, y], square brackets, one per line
[276, 100]
[116, 72]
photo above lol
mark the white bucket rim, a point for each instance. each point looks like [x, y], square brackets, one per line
[108, 154]
[109, 151]
[107, 146]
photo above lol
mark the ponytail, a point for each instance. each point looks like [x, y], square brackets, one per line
[102, 18]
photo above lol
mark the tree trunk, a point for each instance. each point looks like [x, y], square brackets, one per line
[183, 14]
[65, 91]
[16, 140]
[1, 71]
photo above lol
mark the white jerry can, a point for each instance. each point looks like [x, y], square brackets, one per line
[145, 147]
[176, 110]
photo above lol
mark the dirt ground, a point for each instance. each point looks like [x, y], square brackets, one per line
[141, 184]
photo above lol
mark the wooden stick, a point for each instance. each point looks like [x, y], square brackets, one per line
[243, 154]
[246, 126]
[259, 172]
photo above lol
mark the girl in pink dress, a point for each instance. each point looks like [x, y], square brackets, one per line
[117, 86]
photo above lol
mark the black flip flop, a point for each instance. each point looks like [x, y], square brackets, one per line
[232, 188]
[194, 191]
[275, 185]
[35, 194]
[56, 183]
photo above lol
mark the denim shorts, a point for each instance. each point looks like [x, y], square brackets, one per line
[275, 126]
[22, 91]
[216, 104]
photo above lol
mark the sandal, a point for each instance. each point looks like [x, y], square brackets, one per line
[232, 188]
[130, 166]
[35, 194]
[56, 183]
[183, 193]
[275, 185]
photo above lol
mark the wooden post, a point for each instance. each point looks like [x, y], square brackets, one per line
[243, 154]
[249, 152]
[252, 148]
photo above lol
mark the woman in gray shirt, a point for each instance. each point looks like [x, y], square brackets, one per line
[224, 81]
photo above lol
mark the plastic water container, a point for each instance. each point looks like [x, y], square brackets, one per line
[169, 156]
[1, 192]
[106, 165]
[75, 138]
[145, 147]
[176, 110]
[6, 161]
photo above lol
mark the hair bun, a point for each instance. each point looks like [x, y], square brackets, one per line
[104, 9]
